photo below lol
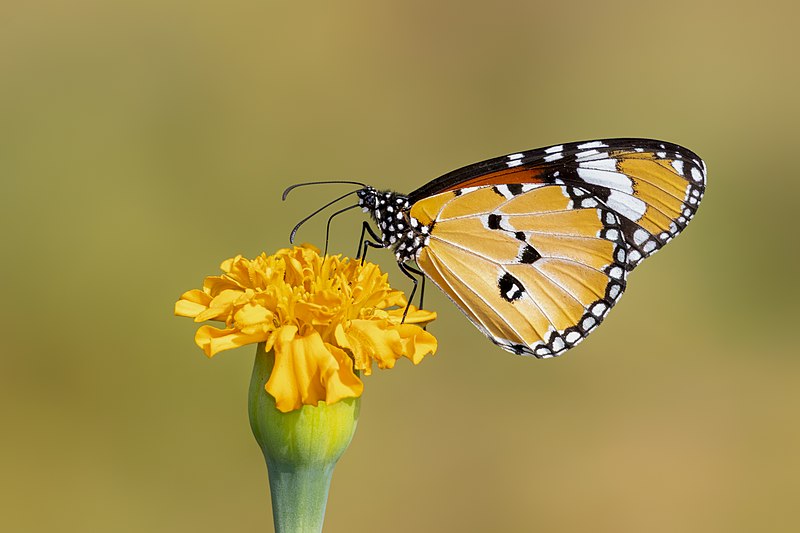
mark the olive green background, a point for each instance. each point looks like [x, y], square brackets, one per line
[141, 143]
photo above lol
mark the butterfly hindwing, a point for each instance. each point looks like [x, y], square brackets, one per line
[536, 267]
[654, 187]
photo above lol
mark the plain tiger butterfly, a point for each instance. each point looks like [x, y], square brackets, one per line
[535, 247]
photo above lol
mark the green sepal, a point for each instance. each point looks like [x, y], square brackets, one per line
[301, 448]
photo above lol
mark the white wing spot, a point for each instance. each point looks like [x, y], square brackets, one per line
[600, 164]
[586, 154]
[604, 178]
[558, 344]
[593, 144]
[613, 291]
[626, 205]
[505, 191]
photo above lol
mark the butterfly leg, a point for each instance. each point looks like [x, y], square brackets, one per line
[411, 274]
[419, 273]
[422, 291]
[363, 244]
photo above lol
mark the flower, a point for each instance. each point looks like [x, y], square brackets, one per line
[327, 319]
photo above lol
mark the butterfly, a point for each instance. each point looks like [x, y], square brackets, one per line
[535, 247]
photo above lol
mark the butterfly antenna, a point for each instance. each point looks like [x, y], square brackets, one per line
[297, 227]
[328, 227]
[296, 185]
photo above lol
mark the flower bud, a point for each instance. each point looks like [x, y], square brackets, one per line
[301, 448]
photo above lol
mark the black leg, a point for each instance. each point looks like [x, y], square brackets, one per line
[421, 274]
[410, 272]
[368, 243]
[365, 227]
[422, 291]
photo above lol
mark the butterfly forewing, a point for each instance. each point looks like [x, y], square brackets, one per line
[536, 267]
[653, 186]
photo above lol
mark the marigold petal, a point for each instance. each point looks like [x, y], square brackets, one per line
[222, 306]
[417, 343]
[213, 285]
[373, 340]
[192, 303]
[384, 343]
[212, 340]
[414, 315]
[308, 370]
[251, 319]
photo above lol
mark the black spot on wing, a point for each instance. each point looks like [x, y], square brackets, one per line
[528, 254]
[515, 188]
[511, 289]
[494, 221]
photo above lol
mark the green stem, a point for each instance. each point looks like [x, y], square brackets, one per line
[299, 497]
[300, 447]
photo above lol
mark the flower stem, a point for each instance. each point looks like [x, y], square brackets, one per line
[299, 497]
[300, 447]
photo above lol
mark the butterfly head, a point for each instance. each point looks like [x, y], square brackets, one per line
[384, 206]
[368, 199]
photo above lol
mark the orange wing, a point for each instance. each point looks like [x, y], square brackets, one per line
[536, 270]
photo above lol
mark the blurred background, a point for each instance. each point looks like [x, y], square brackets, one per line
[141, 143]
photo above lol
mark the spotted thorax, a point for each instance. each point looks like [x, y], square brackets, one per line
[399, 230]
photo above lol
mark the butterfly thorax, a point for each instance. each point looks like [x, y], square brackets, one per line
[398, 229]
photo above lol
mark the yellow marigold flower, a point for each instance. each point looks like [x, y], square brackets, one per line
[326, 319]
